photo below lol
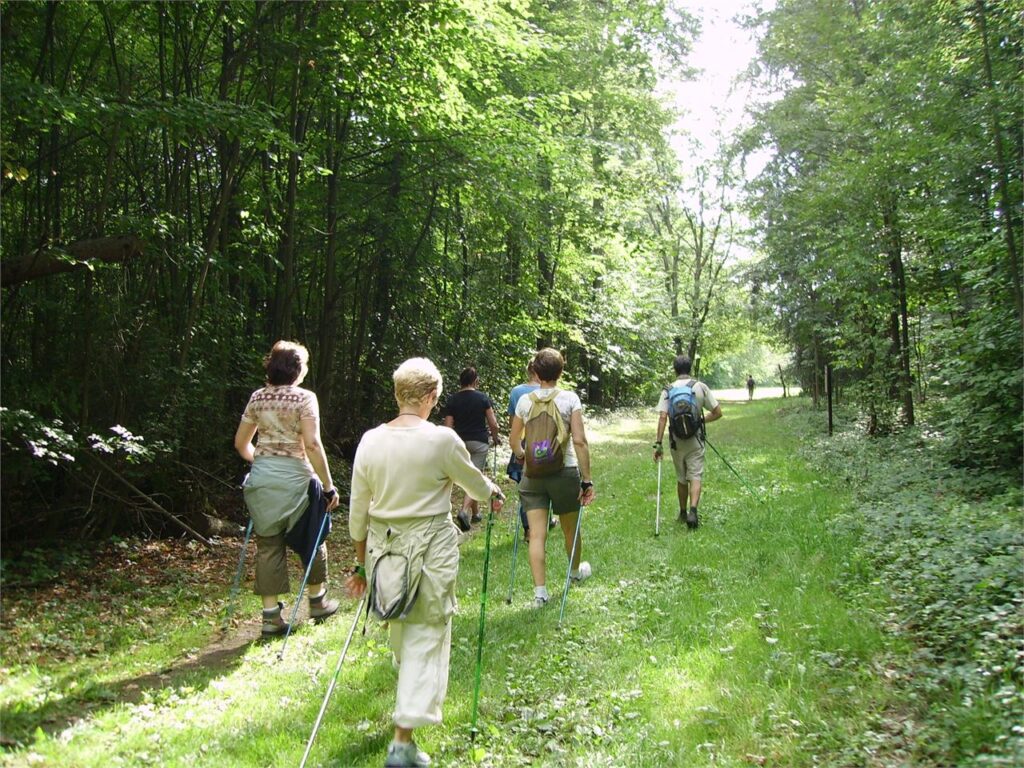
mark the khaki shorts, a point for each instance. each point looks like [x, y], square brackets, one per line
[477, 453]
[561, 491]
[688, 458]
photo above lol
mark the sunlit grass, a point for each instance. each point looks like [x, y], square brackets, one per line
[725, 646]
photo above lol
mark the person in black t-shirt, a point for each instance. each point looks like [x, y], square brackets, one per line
[471, 414]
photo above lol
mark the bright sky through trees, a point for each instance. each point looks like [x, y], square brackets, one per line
[712, 102]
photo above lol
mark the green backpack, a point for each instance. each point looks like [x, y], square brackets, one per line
[546, 436]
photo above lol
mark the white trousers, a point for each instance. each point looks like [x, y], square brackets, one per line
[421, 653]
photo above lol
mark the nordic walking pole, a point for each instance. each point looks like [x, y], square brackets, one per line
[515, 552]
[730, 466]
[483, 613]
[657, 513]
[302, 587]
[568, 570]
[236, 584]
[334, 680]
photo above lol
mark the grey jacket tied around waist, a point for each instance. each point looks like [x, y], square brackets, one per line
[431, 546]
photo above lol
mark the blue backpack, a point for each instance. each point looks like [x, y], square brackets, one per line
[684, 412]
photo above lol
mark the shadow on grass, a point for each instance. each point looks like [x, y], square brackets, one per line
[74, 703]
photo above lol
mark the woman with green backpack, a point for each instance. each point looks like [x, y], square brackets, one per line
[556, 457]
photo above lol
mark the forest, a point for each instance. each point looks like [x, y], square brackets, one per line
[184, 183]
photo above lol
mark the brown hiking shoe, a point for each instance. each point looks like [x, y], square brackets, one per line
[320, 608]
[274, 624]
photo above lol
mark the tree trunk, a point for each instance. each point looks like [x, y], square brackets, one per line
[902, 335]
[285, 286]
[1008, 206]
[337, 131]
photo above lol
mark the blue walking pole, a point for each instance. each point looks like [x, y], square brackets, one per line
[236, 584]
[302, 587]
[334, 681]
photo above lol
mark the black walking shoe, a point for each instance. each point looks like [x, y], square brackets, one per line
[462, 520]
[692, 521]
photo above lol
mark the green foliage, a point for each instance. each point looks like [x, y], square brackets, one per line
[27, 434]
[947, 543]
[376, 180]
[890, 207]
[724, 647]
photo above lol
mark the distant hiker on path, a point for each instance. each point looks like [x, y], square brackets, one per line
[515, 468]
[750, 387]
[400, 507]
[471, 414]
[682, 405]
[557, 466]
[289, 479]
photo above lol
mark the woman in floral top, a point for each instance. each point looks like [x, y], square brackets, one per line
[277, 491]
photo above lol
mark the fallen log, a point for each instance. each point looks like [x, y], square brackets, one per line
[51, 261]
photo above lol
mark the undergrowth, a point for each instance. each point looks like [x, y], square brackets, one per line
[946, 544]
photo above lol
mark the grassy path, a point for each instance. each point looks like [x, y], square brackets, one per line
[729, 646]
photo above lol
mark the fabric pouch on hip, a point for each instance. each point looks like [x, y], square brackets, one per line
[395, 576]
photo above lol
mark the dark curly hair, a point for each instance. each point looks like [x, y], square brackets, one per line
[285, 363]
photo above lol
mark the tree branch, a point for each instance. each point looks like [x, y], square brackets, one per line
[45, 262]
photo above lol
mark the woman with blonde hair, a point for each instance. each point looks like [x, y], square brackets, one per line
[400, 505]
[289, 474]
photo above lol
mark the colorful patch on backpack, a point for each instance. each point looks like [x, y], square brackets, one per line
[542, 451]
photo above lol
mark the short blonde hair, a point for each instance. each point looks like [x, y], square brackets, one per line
[415, 380]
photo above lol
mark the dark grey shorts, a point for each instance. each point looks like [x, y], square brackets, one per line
[477, 453]
[561, 491]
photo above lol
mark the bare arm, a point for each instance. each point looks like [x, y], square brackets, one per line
[515, 438]
[715, 415]
[492, 425]
[317, 456]
[662, 421]
[243, 440]
[449, 421]
[579, 441]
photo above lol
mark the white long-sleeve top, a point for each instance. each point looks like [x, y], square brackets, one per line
[408, 472]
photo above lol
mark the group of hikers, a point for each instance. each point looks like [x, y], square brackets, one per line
[400, 510]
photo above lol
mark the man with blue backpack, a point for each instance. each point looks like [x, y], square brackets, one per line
[681, 408]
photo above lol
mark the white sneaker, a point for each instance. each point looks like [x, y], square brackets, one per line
[583, 573]
[540, 602]
[405, 756]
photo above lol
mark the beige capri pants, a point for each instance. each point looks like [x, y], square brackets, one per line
[421, 643]
[688, 458]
